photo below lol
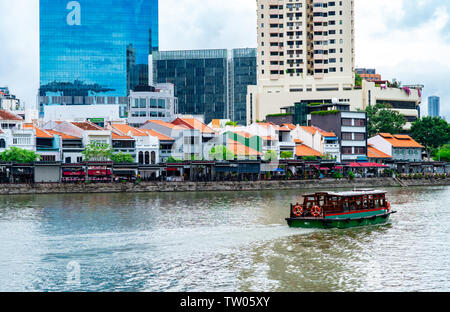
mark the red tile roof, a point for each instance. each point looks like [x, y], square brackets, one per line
[5, 115]
[168, 125]
[193, 123]
[240, 149]
[63, 135]
[89, 126]
[160, 136]
[40, 133]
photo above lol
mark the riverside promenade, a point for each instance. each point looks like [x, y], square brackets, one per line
[227, 186]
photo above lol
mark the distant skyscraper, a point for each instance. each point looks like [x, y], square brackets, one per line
[434, 106]
[94, 48]
[212, 83]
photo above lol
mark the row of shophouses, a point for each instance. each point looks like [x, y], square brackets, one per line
[188, 138]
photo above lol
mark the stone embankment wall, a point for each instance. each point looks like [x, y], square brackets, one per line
[59, 188]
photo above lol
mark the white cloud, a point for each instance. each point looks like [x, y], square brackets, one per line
[414, 55]
[412, 50]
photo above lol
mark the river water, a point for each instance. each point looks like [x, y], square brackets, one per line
[236, 241]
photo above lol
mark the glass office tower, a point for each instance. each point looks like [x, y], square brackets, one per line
[200, 79]
[243, 74]
[212, 83]
[434, 106]
[95, 48]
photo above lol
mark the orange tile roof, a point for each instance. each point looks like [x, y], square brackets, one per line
[326, 133]
[43, 134]
[298, 141]
[400, 140]
[88, 126]
[240, 149]
[268, 138]
[289, 126]
[5, 115]
[303, 150]
[311, 130]
[372, 152]
[168, 125]
[116, 136]
[63, 135]
[193, 124]
[160, 136]
[125, 129]
[268, 124]
[215, 123]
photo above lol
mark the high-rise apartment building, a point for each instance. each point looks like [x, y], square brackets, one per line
[306, 54]
[212, 83]
[305, 38]
[434, 106]
[94, 52]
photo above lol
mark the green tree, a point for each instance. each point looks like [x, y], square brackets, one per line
[220, 152]
[286, 155]
[382, 119]
[231, 123]
[358, 80]
[97, 152]
[443, 154]
[271, 155]
[173, 160]
[19, 155]
[122, 158]
[431, 132]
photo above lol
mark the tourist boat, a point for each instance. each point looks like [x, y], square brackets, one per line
[340, 210]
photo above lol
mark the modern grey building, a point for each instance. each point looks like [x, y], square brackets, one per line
[349, 127]
[434, 106]
[149, 102]
[212, 83]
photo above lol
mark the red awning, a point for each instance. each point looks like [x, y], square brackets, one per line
[73, 173]
[367, 165]
[102, 172]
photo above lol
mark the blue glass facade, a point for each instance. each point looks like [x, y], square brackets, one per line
[434, 106]
[200, 79]
[243, 75]
[95, 48]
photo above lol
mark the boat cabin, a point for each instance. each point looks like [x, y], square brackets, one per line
[326, 204]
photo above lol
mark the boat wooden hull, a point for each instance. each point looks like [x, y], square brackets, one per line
[339, 223]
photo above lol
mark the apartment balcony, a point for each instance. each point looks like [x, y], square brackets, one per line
[274, 77]
[275, 58]
[275, 49]
[331, 148]
[320, 56]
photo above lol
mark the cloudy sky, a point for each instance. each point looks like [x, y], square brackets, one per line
[404, 39]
